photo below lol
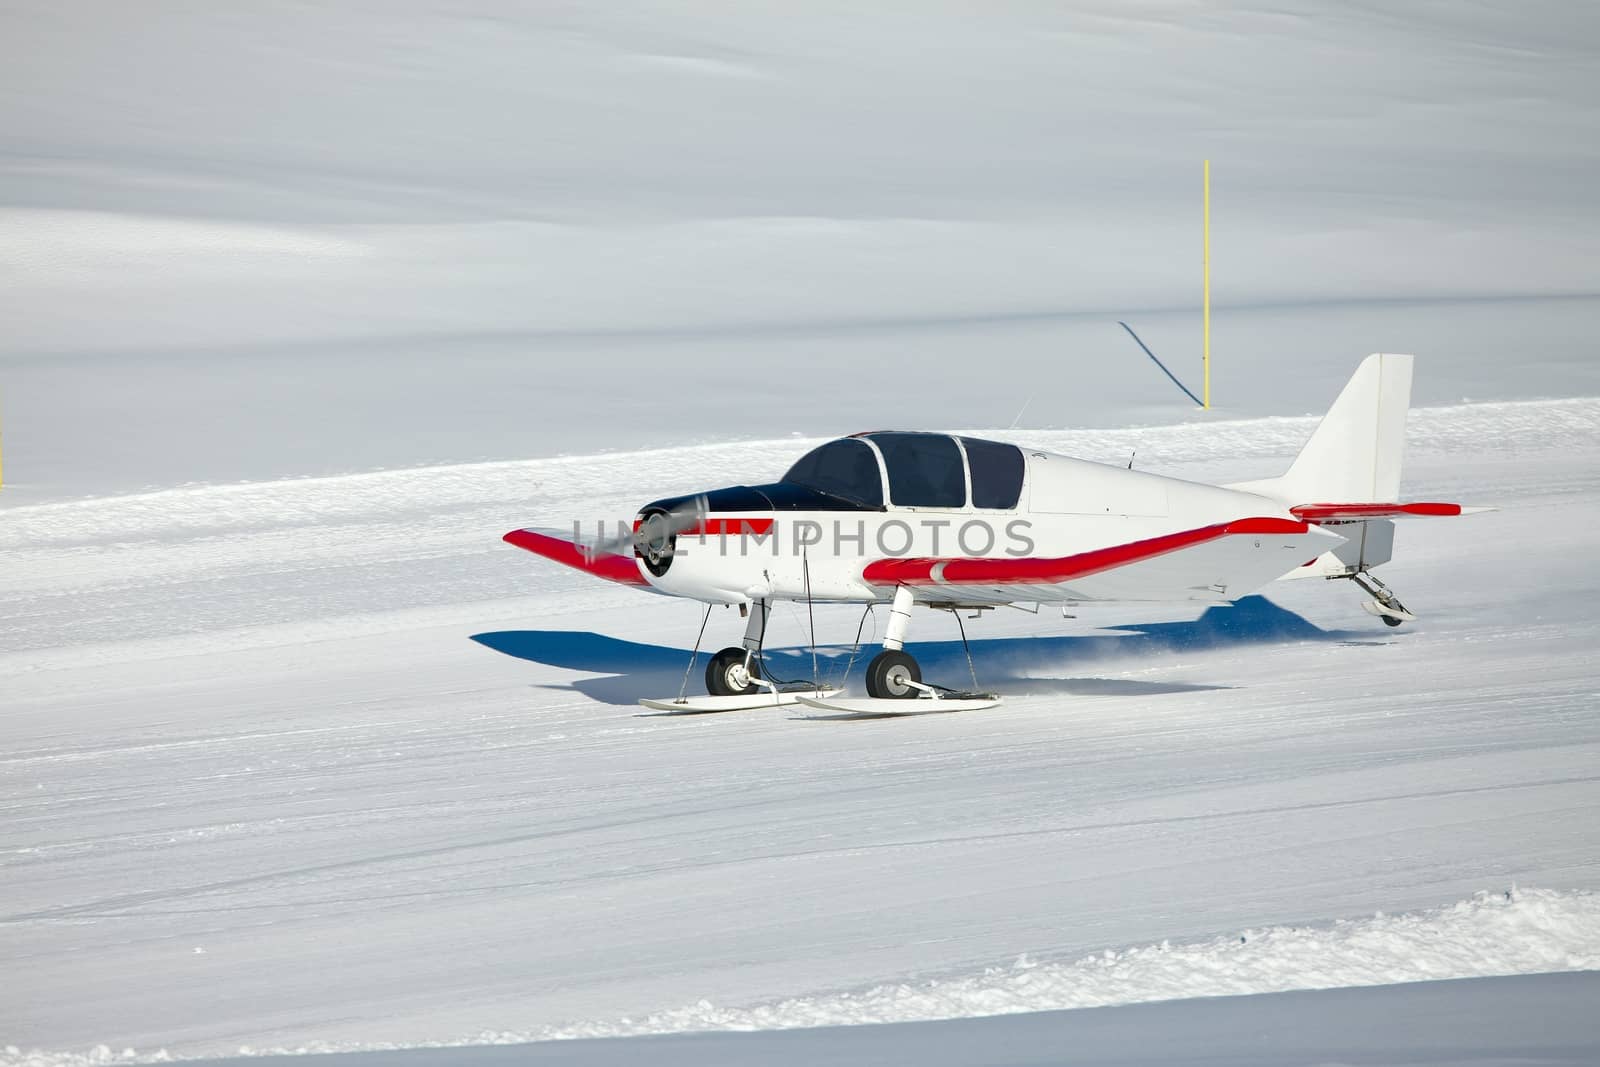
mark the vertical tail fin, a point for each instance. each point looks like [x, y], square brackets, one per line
[1348, 476]
[1353, 458]
[1354, 455]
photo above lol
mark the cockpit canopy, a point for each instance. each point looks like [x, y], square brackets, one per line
[846, 469]
[913, 470]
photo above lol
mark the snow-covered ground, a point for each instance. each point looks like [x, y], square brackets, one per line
[1484, 1022]
[303, 308]
[378, 806]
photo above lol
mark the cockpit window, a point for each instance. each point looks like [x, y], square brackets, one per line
[925, 470]
[843, 468]
[996, 473]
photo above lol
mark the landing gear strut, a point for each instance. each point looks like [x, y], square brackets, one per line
[1384, 604]
[894, 681]
[890, 674]
[893, 674]
[732, 672]
[735, 677]
[735, 671]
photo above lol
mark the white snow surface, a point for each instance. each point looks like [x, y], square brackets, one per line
[290, 771]
[304, 307]
[1514, 932]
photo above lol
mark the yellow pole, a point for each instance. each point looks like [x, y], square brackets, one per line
[1206, 314]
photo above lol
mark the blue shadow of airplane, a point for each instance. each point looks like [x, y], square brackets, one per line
[1010, 665]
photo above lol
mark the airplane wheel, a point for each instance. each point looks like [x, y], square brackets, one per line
[726, 675]
[1390, 622]
[888, 675]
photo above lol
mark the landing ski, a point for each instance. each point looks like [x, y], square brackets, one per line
[1391, 613]
[880, 708]
[706, 705]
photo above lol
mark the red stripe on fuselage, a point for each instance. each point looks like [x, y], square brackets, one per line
[713, 527]
[1030, 571]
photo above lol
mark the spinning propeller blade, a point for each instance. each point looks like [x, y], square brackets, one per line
[655, 530]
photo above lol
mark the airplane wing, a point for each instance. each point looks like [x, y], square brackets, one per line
[1220, 562]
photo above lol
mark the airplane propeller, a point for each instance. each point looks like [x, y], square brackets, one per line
[655, 532]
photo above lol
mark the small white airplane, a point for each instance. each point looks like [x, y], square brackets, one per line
[962, 524]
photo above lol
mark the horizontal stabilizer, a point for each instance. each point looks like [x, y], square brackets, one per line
[1353, 512]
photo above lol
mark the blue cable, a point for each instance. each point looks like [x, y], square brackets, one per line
[1158, 363]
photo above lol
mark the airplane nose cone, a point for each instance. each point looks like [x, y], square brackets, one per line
[653, 540]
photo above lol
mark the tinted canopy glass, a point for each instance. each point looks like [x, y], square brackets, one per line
[996, 473]
[925, 470]
[845, 469]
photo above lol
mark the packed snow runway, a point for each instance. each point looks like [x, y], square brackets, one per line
[313, 827]
[1484, 1021]
[306, 306]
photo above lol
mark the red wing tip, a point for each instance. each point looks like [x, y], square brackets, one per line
[900, 570]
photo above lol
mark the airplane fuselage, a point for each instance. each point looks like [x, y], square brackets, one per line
[776, 542]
